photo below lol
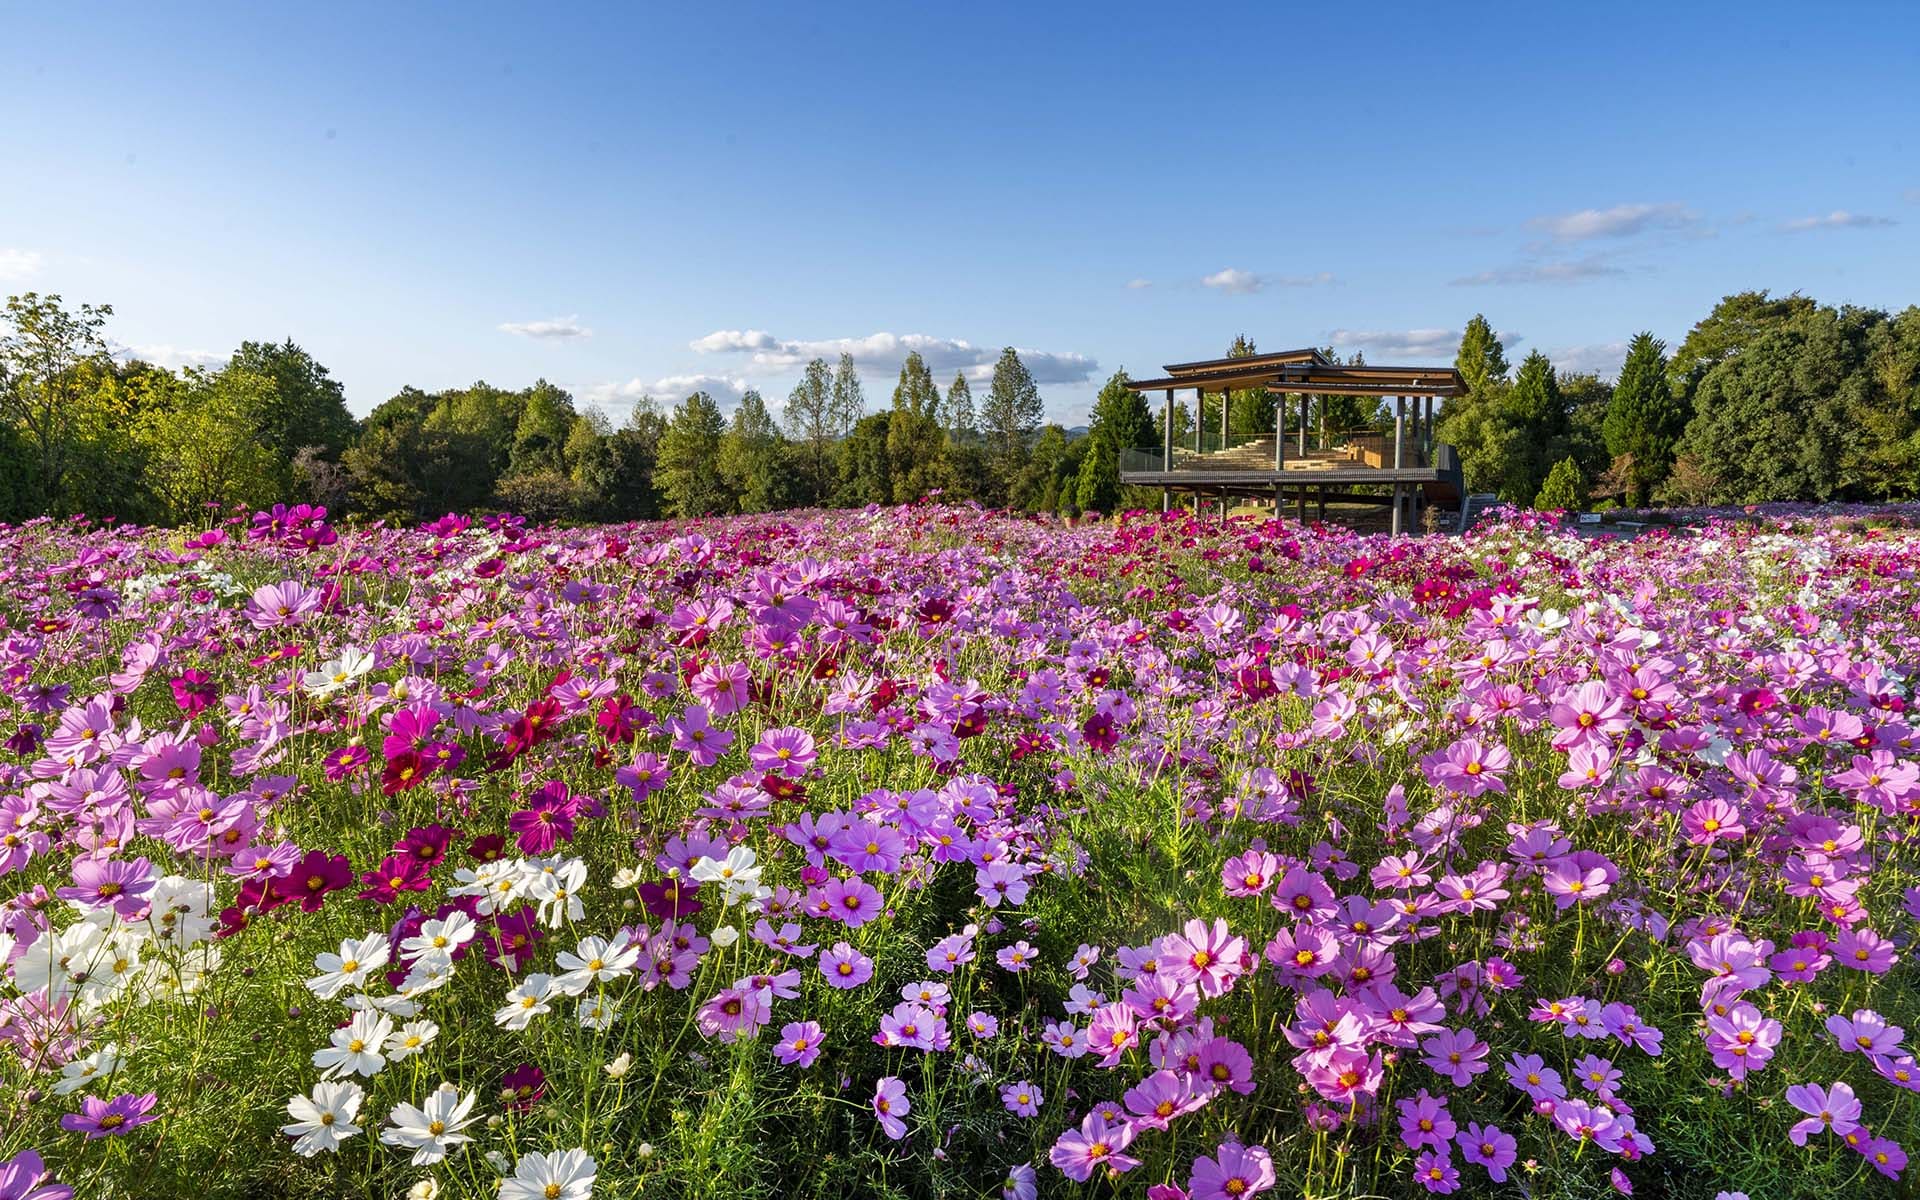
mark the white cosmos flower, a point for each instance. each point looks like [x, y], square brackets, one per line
[738, 874]
[432, 1129]
[356, 1049]
[350, 967]
[441, 937]
[525, 1002]
[619, 1066]
[596, 961]
[410, 1039]
[567, 1175]
[597, 1013]
[337, 672]
[82, 1071]
[558, 893]
[325, 1119]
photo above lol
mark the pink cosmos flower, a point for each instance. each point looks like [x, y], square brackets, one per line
[1833, 1108]
[1022, 1099]
[1435, 1172]
[1867, 1032]
[1425, 1121]
[1458, 1055]
[845, 967]
[1232, 1173]
[1095, 1146]
[1207, 956]
[799, 1043]
[1490, 1148]
[890, 1104]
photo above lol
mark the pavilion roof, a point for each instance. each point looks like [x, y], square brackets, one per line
[1306, 371]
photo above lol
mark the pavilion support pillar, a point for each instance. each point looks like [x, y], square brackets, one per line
[1199, 416]
[1301, 500]
[1399, 433]
[1279, 447]
[1395, 527]
[1303, 433]
[1226, 401]
[1427, 431]
[1166, 455]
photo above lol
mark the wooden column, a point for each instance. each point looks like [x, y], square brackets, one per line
[1399, 432]
[1166, 459]
[1427, 426]
[1395, 529]
[1279, 446]
[1199, 416]
[1303, 440]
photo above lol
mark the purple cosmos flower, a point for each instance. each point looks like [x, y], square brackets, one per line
[1458, 1055]
[25, 1177]
[1490, 1148]
[1095, 1146]
[1424, 1121]
[1833, 1108]
[1016, 958]
[1231, 1173]
[1022, 1099]
[890, 1104]
[799, 1043]
[99, 1118]
[845, 967]
[110, 883]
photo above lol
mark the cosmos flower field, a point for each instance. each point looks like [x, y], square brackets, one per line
[931, 852]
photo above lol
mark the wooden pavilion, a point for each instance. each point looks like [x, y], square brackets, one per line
[1403, 470]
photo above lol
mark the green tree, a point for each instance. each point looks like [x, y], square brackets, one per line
[636, 447]
[847, 402]
[915, 441]
[1120, 422]
[1535, 415]
[1009, 417]
[590, 465]
[45, 395]
[1565, 487]
[753, 458]
[1777, 421]
[540, 436]
[866, 473]
[957, 412]
[1735, 323]
[1645, 419]
[305, 406]
[206, 450]
[1886, 463]
[809, 419]
[1482, 359]
[688, 471]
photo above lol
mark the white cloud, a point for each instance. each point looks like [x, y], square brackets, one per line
[1139, 284]
[552, 329]
[1601, 358]
[1553, 272]
[669, 389]
[1236, 282]
[1385, 345]
[16, 265]
[880, 354]
[1838, 219]
[1622, 220]
[171, 357]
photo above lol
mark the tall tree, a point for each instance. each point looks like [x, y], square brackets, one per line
[752, 459]
[866, 472]
[1735, 323]
[45, 396]
[1120, 422]
[915, 443]
[958, 410]
[1535, 413]
[540, 437]
[688, 471]
[305, 406]
[1482, 359]
[206, 449]
[848, 402]
[1012, 411]
[636, 447]
[809, 417]
[1644, 420]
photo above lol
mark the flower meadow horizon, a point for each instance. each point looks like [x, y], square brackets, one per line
[911, 848]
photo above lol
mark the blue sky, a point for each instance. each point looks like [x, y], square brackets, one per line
[640, 199]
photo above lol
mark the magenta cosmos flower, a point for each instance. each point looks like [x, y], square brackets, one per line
[1232, 1172]
[25, 1177]
[1490, 1148]
[1096, 1145]
[1207, 956]
[99, 1118]
[110, 883]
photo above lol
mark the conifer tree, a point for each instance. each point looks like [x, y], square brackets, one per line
[1644, 419]
[1482, 359]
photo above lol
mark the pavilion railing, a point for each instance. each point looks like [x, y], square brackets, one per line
[1367, 447]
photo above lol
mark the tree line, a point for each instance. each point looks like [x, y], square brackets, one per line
[1766, 399]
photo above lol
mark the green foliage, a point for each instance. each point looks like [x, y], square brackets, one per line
[43, 396]
[1482, 360]
[1779, 419]
[688, 471]
[866, 471]
[209, 449]
[540, 436]
[1645, 420]
[753, 457]
[1734, 324]
[1565, 487]
[304, 406]
[915, 441]
[1120, 422]
[957, 412]
[1012, 412]
[810, 423]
